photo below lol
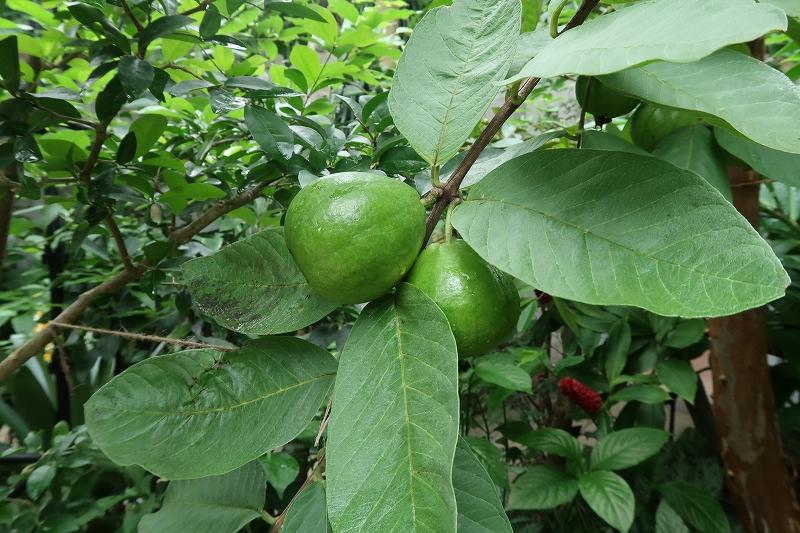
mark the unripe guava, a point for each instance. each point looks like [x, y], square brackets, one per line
[602, 101]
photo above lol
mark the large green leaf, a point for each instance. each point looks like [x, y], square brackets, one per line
[627, 447]
[394, 422]
[270, 132]
[502, 370]
[752, 97]
[617, 228]
[479, 507]
[216, 504]
[446, 77]
[610, 497]
[203, 412]
[554, 441]
[696, 507]
[308, 513]
[135, 75]
[693, 148]
[253, 286]
[686, 30]
[772, 164]
[792, 7]
[542, 487]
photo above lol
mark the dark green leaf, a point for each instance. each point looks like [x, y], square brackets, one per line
[135, 75]
[270, 132]
[281, 469]
[127, 149]
[502, 370]
[185, 87]
[26, 150]
[95, 19]
[686, 333]
[291, 9]
[160, 80]
[161, 27]
[696, 507]
[211, 22]
[110, 100]
[542, 487]
[668, 521]
[640, 393]
[479, 507]
[627, 448]
[307, 513]
[610, 497]
[773, 164]
[9, 63]
[617, 347]
[492, 459]
[553, 441]
[679, 377]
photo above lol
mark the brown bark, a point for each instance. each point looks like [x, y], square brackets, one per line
[755, 472]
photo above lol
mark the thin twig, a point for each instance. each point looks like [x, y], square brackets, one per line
[512, 103]
[131, 16]
[197, 9]
[324, 423]
[120, 242]
[85, 175]
[175, 66]
[143, 338]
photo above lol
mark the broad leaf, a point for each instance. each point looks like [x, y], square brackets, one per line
[9, 62]
[210, 504]
[448, 73]
[610, 497]
[110, 100]
[627, 447]
[394, 422]
[308, 513]
[616, 228]
[668, 521]
[679, 377]
[135, 75]
[492, 459]
[772, 164]
[696, 507]
[752, 97]
[601, 140]
[161, 27]
[553, 441]
[542, 487]
[502, 370]
[270, 132]
[167, 413]
[792, 7]
[693, 148]
[253, 286]
[211, 22]
[651, 394]
[148, 129]
[686, 30]
[292, 9]
[479, 507]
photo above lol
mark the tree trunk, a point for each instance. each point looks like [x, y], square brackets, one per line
[744, 409]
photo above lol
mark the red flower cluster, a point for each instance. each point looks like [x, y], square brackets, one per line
[584, 397]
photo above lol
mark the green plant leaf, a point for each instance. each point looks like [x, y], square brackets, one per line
[39, 480]
[610, 497]
[135, 75]
[651, 394]
[308, 513]
[542, 487]
[752, 97]
[253, 286]
[772, 164]
[502, 370]
[693, 148]
[291, 9]
[792, 7]
[281, 469]
[110, 100]
[679, 377]
[492, 459]
[553, 441]
[668, 521]
[211, 504]
[95, 19]
[9, 63]
[394, 422]
[26, 149]
[627, 447]
[602, 140]
[147, 128]
[479, 507]
[126, 149]
[270, 132]
[696, 507]
[166, 413]
[617, 347]
[597, 232]
[211, 22]
[446, 77]
[687, 30]
[161, 27]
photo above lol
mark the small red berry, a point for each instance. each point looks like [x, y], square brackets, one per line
[584, 397]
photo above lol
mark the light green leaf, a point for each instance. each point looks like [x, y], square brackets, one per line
[281, 469]
[213, 504]
[685, 333]
[446, 77]
[308, 513]
[772, 164]
[166, 413]
[306, 61]
[492, 459]
[687, 30]
[792, 7]
[613, 228]
[610, 497]
[270, 132]
[147, 128]
[696, 507]
[211, 22]
[39, 480]
[394, 422]
[668, 521]
[542, 487]
[627, 447]
[679, 377]
[752, 97]
[502, 370]
[161, 27]
[529, 44]
[479, 507]
[253, 286]
[292, 9]
[651, 394]
[553, 441]
[693, 148]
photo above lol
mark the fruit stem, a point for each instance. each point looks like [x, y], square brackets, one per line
[435, 177]
[554, 10]
[448, 225]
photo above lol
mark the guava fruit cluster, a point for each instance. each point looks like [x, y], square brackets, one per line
[356, 235]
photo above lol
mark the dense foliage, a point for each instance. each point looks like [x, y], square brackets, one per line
[168, 366]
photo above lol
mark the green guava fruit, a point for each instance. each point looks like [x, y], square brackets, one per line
[602, 101]
[355, 235]
[651, 124]
[480, 302]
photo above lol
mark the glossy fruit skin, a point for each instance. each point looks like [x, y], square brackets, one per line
[603, 101]
[355, 235]
[651, 124]
[480, 302]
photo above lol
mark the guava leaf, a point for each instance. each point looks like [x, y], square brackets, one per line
[217, 503]
[686, 30]
[394, 421]
[479, 507]
[613, 228]
[448, 73]
[770, 163]
[308, 513]
[253, 286]
[750, 96]
[168, 413]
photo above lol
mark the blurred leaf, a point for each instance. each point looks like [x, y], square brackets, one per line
[110, 100]
[696, 507]
[9, 63]
[94, 18]
[668, 521]
[542, 487]
[617, 347]
[502, 370]
[554, 441]
[211, 22]
[679, 377]
[127, 149]
[161, 27]
[26, 150]
[686, 333]
[773, 164]
[147, 128]
[39, 480]
[281, 469]
[640, 393]
[610, 497]
[292, 9]
[479, 507]
[135, 75]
